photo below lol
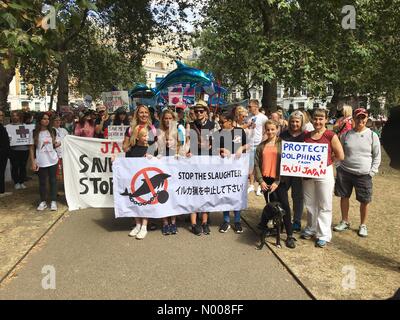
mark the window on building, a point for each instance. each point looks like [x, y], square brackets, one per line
[279, 92]
[22, 87]
[36, 90]
[48, 89]
[254, 94]
[300, 105]
[37, 106]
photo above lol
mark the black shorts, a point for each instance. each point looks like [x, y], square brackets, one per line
[345, 181]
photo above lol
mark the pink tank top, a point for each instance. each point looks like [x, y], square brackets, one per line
[326, 138]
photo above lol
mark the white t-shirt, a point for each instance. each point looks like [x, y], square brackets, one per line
[257, 133]
[46, 156]
[61, 134]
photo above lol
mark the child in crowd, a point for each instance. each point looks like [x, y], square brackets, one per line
[267, 171]
[169, 145]
[135, 146]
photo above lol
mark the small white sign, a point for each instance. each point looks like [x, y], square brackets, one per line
[116, 133]
[301, 159]
[20, 134]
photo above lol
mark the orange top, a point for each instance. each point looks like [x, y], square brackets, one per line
[269, 162]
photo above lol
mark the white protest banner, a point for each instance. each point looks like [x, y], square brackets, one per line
[156, 188]
[88, 177]
[20, 134]
[301, 159]
[116, 133]
[115, 99]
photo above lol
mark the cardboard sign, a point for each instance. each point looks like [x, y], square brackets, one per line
[115, 99]
[20, 134]
[301, 159]
[116, 133]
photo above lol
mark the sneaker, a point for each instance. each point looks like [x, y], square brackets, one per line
[196, 229]
[142, 234]
[250, 189]
[206, 228]
[363, 231]
[165, 230]
[259, 192]
[320, 243]
[306, 236]
[17, 186]
[296, 226]
[224, 227]
[42, 206]
[173, 229]
[53, 206]
[238, 227]
[134, 231]
[22, 186]
[342, 226]
[290, 242]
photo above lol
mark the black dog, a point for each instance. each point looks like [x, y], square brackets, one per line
[273, 210]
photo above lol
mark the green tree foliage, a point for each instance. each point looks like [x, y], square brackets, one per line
[110, 36]
[302, 44]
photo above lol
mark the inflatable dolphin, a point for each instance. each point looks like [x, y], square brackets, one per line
[183, 74]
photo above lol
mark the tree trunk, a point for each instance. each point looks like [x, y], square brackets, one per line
[337, 95]
[63, 85]
[269, 98]
[246, 94]
[6, 76]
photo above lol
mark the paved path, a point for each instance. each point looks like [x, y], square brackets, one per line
[95, 259]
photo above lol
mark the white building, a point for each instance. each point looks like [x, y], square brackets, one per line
[26, 96]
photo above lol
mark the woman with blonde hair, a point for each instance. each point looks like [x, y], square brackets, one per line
[344, 123]
[240, 117]
[141, 117]
[295, 133]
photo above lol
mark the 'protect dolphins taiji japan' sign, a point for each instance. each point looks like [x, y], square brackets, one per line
[168, 186]
[300, 159]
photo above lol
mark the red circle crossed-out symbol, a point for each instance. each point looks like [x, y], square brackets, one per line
[148, 182]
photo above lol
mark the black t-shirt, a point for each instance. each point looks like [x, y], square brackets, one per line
[286, 136]
[229, 139]
[136, 152]
[201, 136]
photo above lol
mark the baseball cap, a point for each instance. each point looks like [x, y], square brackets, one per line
[360, 111]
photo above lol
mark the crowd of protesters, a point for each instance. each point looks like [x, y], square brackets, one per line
[353, 149]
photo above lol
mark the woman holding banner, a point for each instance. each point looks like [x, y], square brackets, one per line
[141, 119]
[295, 133]
[267, 173]
[44, 159]
[318, 192]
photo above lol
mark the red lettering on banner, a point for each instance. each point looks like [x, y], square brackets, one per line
[106, 147]
[115, 146]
